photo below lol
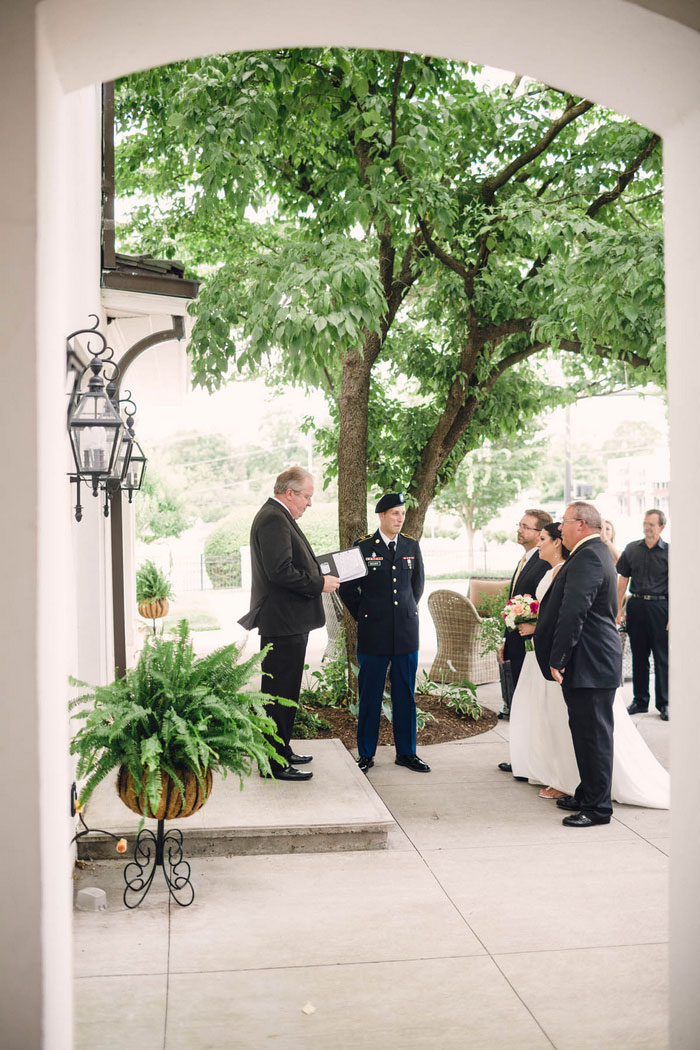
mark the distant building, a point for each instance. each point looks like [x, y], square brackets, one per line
[638, 482]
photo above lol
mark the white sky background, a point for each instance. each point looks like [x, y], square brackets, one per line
[239, 409]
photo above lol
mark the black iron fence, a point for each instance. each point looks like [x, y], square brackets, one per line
[206, 573]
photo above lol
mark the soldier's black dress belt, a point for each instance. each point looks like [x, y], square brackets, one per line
[650, 597]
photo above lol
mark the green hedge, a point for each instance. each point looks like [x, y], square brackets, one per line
[222, 548]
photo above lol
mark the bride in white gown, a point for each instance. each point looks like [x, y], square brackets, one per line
[541, 748]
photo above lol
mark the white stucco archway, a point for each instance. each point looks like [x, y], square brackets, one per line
[53, 53]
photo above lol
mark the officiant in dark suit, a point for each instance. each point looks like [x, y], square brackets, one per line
[285, 603]
[577, 645]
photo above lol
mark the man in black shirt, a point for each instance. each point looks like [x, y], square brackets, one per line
[645, 563]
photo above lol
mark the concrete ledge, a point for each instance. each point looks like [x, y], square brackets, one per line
[336, 810]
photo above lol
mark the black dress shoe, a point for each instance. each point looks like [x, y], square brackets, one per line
[663, 714]
[300, 760]
[569, 802]
[505, 767]
[504, 714]
[364, 763]
[412, 762]
[584, 820]
[291, 773]
[637, 709]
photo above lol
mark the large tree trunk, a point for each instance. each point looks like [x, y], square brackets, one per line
[353, 406]
[352, 447]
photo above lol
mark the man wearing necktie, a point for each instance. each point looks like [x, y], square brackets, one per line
[528, 573]
[385, 605]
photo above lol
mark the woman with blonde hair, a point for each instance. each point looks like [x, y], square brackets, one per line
[608, 538]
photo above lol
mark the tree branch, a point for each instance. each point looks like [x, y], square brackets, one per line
[625, 357]
[330, 384]
[445, 258]
[623, 181]
[494, 182]
[395, 96]
[507, 362]
[386, 260]
[624, 178]
[403, 281]
[644, 197]
[496, 333]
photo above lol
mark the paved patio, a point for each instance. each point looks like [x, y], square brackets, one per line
[483, 924]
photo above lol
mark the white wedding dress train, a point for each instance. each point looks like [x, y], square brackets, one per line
[541, 748]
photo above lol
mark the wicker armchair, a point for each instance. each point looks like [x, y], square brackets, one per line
[479, 589]
[458, 627]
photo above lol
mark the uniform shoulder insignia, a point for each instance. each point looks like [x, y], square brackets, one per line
[361, 539]
[407, 537]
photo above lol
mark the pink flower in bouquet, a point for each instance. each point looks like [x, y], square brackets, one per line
[521, 608]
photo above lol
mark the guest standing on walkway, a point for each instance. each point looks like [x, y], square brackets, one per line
[645, 563]
[528, 573]
[608, 538]
[577, 645]
[285, 604]
[385, 605]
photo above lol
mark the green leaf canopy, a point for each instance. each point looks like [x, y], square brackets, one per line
[405, 235]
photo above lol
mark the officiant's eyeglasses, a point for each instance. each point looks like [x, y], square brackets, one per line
[530, 528]
[569, 521]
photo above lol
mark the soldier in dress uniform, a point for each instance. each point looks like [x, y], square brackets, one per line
[385, 605]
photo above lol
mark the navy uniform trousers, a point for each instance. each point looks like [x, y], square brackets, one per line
[371, 682]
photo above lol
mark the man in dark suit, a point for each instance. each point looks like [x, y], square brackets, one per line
[528, 573]
[285, 603]
[385, 605]
[577, 645]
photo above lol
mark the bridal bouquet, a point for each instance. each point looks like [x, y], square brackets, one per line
[521, 608]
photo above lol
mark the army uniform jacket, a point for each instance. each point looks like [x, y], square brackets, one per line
[385, 601]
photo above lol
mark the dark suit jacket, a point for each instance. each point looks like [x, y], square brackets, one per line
[533, 571]
[286, 580]
[385, 601]
[576, 624]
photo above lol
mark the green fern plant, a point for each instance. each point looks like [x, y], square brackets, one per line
[174, 710]
[152, 584]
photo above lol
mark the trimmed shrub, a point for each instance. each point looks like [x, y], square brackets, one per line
[222, 551]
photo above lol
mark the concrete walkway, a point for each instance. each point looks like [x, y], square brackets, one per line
[483, 924]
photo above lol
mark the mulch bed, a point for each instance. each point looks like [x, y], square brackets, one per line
[449, 725]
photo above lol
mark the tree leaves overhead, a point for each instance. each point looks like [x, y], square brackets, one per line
[393, 229]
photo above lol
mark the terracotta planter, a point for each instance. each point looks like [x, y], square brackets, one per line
[154, 610]
[170, 806]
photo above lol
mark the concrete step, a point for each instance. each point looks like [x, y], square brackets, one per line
[338, 809]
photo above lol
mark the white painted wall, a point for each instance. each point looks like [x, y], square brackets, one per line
[615, 52]
[682, 162]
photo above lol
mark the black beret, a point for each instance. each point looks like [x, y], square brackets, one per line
[391, 499]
